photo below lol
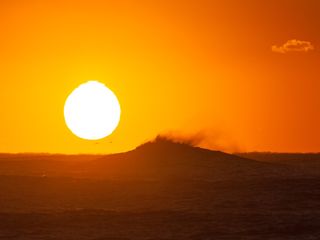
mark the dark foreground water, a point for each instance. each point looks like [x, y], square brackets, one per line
[68, 208]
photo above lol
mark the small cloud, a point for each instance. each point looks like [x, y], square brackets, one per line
[293, 45]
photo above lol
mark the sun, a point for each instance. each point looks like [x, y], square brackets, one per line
[92, 111]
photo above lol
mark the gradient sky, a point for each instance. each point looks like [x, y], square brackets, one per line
[230, 70]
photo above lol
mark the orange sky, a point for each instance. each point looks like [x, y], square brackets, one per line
[176, 66]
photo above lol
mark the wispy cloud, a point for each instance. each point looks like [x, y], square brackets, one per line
[293, 45]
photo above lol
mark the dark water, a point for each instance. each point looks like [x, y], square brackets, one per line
[67, 208]
[159, 191]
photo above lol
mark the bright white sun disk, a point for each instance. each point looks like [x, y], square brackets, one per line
[92, 111]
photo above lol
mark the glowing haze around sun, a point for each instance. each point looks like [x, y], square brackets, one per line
[92, 111]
